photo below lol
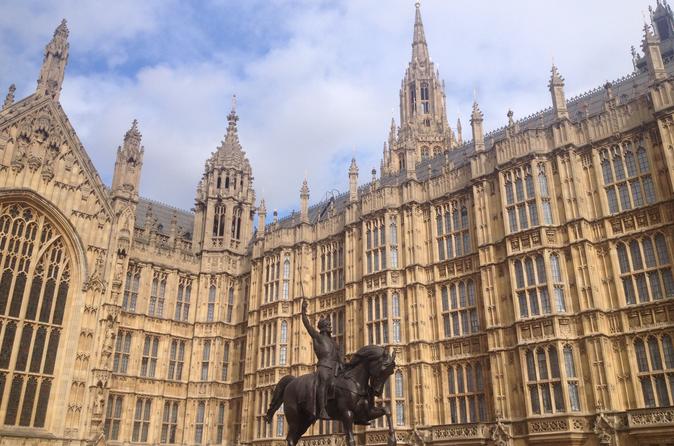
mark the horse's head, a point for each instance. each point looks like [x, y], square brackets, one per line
[380, 370]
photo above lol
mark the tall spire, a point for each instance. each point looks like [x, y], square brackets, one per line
[419, 46]
[304, 201]
[232, 134]
[556, 86]
[54, 63]
[651, 47]
[476, 120]
[126, 177]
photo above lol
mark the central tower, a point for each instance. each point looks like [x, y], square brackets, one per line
[424, 130]
[225, 197]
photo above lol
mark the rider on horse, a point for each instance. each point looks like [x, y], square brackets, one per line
[330, 360]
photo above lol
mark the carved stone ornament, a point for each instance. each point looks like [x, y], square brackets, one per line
[604, 429]
[500, 434]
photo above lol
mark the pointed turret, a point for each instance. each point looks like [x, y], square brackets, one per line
[556, 86]
[261, 217]
[9, 99]
[126, 178]
[224, 204]
[353, 181]
[651, 47]
[54, 64]
[662, 20]
[459, 135]
[304, 202]
[476, 120]
[419, 45]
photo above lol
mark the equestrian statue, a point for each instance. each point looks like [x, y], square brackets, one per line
[337, 390]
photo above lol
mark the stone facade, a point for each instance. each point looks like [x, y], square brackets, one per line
[523, 277]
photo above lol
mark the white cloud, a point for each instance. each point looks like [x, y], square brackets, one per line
[314, 80]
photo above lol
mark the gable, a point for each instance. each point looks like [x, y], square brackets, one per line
[40, 150]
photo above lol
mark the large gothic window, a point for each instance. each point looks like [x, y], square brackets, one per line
[459, 309]
[645, 269]
[33, 291]
[452, 228]
[627, 177]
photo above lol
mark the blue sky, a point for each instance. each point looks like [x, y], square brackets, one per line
[317, 81]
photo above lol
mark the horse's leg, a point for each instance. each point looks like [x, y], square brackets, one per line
[347, 423]
[295, 431]
[376, 412]
[391, 432]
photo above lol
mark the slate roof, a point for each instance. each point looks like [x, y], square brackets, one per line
[164, 214]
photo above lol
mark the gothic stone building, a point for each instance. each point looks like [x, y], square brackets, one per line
[524, 277]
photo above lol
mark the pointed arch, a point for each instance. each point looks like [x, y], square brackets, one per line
[42, 262]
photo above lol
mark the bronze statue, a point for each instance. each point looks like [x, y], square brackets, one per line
[330, 360]
[343, 392]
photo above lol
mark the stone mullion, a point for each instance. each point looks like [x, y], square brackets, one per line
[666, 130]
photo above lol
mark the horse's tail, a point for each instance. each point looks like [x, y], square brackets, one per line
[277, 397]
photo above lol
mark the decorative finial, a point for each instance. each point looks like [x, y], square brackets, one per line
[234, 103]
[9, 99]
[417, 4]
[132, 137]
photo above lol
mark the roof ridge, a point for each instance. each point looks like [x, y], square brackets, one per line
[166, 205]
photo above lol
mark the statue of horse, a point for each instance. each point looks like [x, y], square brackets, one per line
[351, 400]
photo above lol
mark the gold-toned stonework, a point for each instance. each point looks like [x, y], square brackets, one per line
[523, 277]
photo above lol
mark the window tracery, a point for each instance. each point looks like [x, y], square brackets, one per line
[32, 311]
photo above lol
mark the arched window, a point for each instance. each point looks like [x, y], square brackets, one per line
[199, 424]
[182, 312]
[424, 153]
[544, 381]
[122, 352]
[377, 319]
[400, 395]
[225, 362]
[533, 295]
[413, 98]
[34, 289]
[645, 276]
[158, 290]
[454, 238]
[230, 304]
[131, 288]
[425, 98]
[284, 332]
[395, 301]
[521, 208]
[459, 310]
[286, 277]
[627, 181]
[236, 224]
[466, 393]
[219, 221]
[210, 312]
[572, 378]
[557, 284]
[510, 198]
[545, 195]
[655, 362]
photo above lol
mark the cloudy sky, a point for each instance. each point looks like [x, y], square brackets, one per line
[317, 81]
